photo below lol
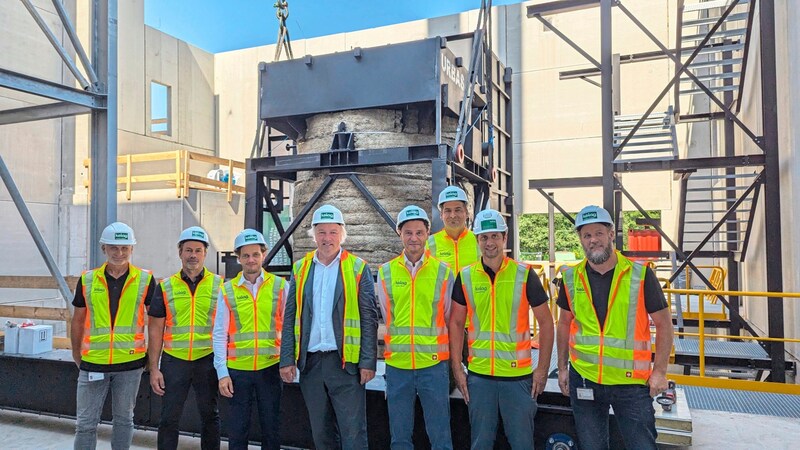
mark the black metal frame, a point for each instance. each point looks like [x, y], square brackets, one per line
[768, 143]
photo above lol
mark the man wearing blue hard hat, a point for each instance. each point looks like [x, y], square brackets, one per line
[247, 341]
[181, 318]
[497, 294]
[604, 342]
[414, 292]
[330, 334]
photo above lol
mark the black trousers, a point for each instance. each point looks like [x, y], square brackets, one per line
[179, 375]
[266, 386]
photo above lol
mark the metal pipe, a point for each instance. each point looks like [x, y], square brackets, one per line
[56, 45]
[30, 224]
[76, 43]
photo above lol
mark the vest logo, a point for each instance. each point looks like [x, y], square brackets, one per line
[481, 289]
[435, 357]
[242, 297]
[198, 234]
[513, 364]
[401, 283]
[445, 253]
[181, 292]
[120, 236]
[628, 375]
[589, 215]
[326, 216]
[579, 288]
[251, 238]
[98, 290]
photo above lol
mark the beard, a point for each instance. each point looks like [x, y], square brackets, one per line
[599, 256]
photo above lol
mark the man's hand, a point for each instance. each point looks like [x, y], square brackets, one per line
[461, 382]
[77, 357]
[539, 381]
[366, 375]
[563, 381]
[288, 373]
[657, 383]
[157, 381]
[226, 387]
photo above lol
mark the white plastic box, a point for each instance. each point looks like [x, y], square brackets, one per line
[35, 339]
[11, 339]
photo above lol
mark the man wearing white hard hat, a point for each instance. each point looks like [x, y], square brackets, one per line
[414, 295]
[455, 244]
[604, 349]
[330, 335]
[247, 342]
[108, 342]
[497, 295]
[181, 318]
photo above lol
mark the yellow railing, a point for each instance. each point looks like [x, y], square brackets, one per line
[701, 379]
[181, 177]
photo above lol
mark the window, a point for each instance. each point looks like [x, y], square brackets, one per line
[160, 122]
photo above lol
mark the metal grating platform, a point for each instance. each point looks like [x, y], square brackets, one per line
[768, 404]
[722, 349]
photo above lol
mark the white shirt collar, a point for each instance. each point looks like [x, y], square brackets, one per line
[409, 263]
[260, 279]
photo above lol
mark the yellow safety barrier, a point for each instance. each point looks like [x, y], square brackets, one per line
[702, 379]
[181, 178]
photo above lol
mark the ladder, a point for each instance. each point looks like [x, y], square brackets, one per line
[655, 140]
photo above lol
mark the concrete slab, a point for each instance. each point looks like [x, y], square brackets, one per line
[714, 429]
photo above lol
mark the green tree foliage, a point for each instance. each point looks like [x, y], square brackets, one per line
[533, 233]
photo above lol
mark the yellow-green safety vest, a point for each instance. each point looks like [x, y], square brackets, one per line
[620, 351]
[123, 340]
[351, 267]
[416, 331]
[190, 317]
[499, 329]
[254, 329]
[458, 253]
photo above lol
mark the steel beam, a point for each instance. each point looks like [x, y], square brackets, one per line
[76, 43]
[772, 186]
[561, 6]
[38, 239]
[48, 89]
[552, 200]
[103, 139]
[607, 104]
[41, 112]
[691, 164]
[569, 41]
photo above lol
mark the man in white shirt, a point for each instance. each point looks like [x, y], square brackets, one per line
[330, 334]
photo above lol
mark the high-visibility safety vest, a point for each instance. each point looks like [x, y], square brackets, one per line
[499, 328]
[416, 332]
[190, 317]
[118, 340]
[254, 329]
[351, 268]
[457, 253]
[619, 352]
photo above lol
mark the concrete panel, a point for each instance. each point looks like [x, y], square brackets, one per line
[38, 178]
[236, 79]
[22, 256]
[161, 65]
[195, 111]
[133, 87]
[23, 38]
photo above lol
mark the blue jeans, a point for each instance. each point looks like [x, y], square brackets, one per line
[265, 386]
[513, 399]
[432, 385]
[633, 410]
[90, 398]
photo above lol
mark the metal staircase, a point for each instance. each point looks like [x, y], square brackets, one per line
[722, 58]
[654, 140]
[708, 195]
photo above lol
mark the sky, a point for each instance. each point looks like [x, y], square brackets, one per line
[223, 25]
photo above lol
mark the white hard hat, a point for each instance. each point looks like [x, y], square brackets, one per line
[489, 221]
[194, 234]
[248, 236]
[593, 214]
[117, 234]
[327, 214]
[452, 194]
[412, 212]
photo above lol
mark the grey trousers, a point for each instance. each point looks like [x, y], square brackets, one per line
[90, 399]
[336, 403]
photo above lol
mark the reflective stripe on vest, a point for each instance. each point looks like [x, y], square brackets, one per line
[254, 330]
[416, 332]
[499, 328]
[351, 267]
[620, 351]
[459, 253]
[123, 340]
[190, 317]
